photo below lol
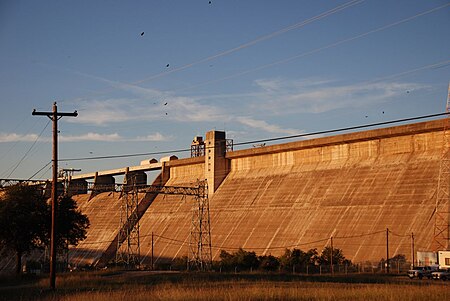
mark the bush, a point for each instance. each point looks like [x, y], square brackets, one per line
[241, 260]
[180, 264]
[269, 263]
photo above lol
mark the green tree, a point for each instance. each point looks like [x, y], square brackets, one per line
[71, 224]
[246, 260]
[241, 259]
[227, 260]
[297, 258]
[338, 256]
[25, 220]
[269, 263]
[23, 227]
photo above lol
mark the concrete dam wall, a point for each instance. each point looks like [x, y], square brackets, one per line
[351, 187]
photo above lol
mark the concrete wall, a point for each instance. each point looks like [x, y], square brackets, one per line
[298, 194]
[169, 217]
[351, 187]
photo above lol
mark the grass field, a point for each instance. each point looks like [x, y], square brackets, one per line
[120, 285]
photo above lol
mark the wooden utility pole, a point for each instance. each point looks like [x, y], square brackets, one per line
[331, 257]
[54, 116]
[412, 250]
[153, 266]
[387, 250]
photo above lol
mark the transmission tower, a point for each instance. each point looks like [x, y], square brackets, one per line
[200, 238]
[128, 243]
[442, 210]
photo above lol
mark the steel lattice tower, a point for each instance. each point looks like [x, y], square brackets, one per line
[200, 238]
[442, 210]
[128, 243]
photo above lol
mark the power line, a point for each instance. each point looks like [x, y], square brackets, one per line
[359, 235]
[332, 45]
[262, 140]
[40, 170]
[28, 151]
[178, 242]
[260, 39]
[250, 43]
[344, 129]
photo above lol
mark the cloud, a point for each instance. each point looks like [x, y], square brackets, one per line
[102, 112]
[143, 104]
[263, 125]
[274, 96]
[114, 137]
[178, 108]
[319, 96]
[91, 137]
[153, 137]
[13, 137]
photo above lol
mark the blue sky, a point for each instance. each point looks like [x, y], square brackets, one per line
[256, 69]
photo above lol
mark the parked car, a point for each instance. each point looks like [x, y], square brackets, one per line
[440, 275]
[420, 272]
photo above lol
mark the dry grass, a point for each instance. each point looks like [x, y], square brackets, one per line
[152, 286]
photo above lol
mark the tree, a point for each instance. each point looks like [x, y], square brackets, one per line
[23, 214]
[246, 260]
[241, 259]
[25, 221]
[71, 224]
[338, 256]
[296, 258]
[269, 263]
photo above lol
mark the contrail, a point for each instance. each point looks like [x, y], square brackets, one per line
[286, 60]
[253, 42]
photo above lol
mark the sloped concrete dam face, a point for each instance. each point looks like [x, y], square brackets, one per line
[351, 187]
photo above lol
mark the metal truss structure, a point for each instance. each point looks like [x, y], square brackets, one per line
[128, 248]
[200, 255]
[197, 150]
[441, 233]
[128, 242]
[10, 182]
[229, 145]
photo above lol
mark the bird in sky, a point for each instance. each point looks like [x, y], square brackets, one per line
[142, 33]
[165, 103]
[167, 66]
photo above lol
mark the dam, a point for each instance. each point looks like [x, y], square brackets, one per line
[353, 188]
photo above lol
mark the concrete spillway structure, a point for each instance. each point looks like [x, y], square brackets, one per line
[351, 187]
